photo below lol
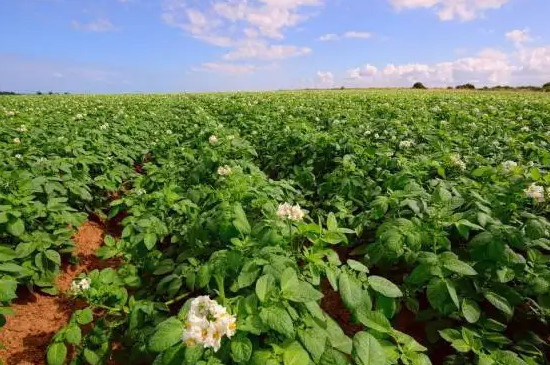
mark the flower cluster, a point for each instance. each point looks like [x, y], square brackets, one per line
[509, 165]
[287, 211]
[9, 113]
[525, 129]
[104, 126]
[213, 139]
[536, 192]
[81, 285]
[16, 140]
[79, 116]
[457, 161]
[18, 156]
[224, 170]
[22, 128]
[207, 323]
[406, 144]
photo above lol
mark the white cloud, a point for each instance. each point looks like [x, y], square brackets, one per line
[355, 34]
[247, 27]
[254, 49]
[329, 37]
[227, 68]
[490, 66]
[237, 18]
[365, 71]
[464, 10]
[519, 37]
[536, 59]
[349, 34]
[99, 25]
[325, 79]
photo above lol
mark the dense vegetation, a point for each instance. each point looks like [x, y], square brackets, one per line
[425, 204]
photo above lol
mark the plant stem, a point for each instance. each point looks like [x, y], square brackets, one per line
[176, 299]
[221, 289]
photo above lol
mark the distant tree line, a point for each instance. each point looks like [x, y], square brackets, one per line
[469, 86]
[37, 93]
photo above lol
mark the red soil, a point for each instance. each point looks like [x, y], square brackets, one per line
[38, 316]
[334, 306]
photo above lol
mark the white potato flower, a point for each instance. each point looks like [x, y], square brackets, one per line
[536, 192]
[213, 139]
[224, 170]
[104, 126]
[18, 156]
[287, 211]
[457, 161]
[81, 285]
[79, 116]
[525, 129]
[22, 128]
[9, 113]
[406, 144]
[207, 323]
[16, 140]
[509, 165]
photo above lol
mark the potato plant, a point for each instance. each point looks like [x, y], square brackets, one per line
[431, 205]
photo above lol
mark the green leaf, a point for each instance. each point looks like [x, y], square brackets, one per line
[167, 334]
[264, 286]
[357, 266]
[297, 290]
[470, 310]
[337, 338]
[333, 357]
[384, 287]
[352, 292]
[16, 227]
[53, 256]
[373, 319]
[91, 357]
[452, 292]
[24, 249]
[507, 358]
[175, 355]
[203, 275]
[438, 294]
[500, 303]
[314, 341]
[56, 354]
[150, 240]
[248, 275]
[408, 343]
[13, 268]
[279, 320]
[263, 357]
[241, 221]
[459, 267]
[367, 350]
[419, 359]
[6, 254]
[7, 289]
[84, 316]
[193, 354]
[73, 334]
[332, 224]
[294, 354]
[450, 334]
[241, 349]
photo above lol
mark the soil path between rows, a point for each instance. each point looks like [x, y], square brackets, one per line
[38, 316]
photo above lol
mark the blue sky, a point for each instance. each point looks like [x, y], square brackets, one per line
[111, 46]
